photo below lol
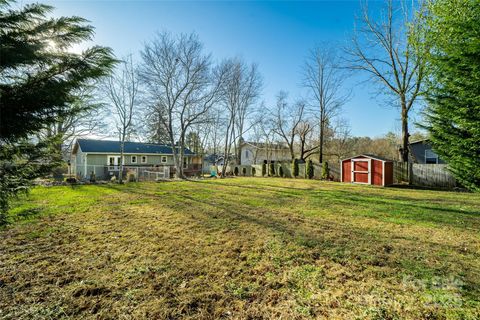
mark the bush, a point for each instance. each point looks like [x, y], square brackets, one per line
[131, 176]
[235, 171]
[244, 171]
[310, 169]
[71, 180]
[59, 172]
[280, 171]
[295, 169]
[254, 171]
[264, 169]
[93, 177]
[271, 171]
[325, 171]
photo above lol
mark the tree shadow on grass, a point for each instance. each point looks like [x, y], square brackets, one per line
[414, 210]
[372, 206]
[336, 241]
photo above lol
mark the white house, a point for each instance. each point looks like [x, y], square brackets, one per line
[258, 153]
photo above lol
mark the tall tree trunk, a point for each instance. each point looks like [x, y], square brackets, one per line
[122, 150]
[320, 147]
[405, 134]
[182, 154]
[239, 151]
[228, 139]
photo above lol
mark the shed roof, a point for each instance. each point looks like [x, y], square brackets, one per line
[109, 146]
[368, 155]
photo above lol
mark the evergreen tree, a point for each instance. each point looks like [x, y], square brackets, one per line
[295, 169]
[453, 93]
[38, 82]
[310, 169]
[325, 171]
[271, 171]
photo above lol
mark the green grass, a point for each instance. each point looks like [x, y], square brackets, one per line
[241, 248]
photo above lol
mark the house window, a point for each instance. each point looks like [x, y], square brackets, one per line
[164, 159]
[134, 159]
[144, 159]
[185, 163]
[246, 154]
[113, 162]
[431, 157]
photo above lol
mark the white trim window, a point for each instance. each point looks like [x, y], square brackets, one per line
[431, 157]
[113, 162]
[133, 159]
[143, 159]
[164, 159]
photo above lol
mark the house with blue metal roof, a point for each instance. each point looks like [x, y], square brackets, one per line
[102, 157]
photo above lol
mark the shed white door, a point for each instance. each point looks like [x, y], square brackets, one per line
[362, 171]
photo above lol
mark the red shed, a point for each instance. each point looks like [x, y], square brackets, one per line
[367, 169]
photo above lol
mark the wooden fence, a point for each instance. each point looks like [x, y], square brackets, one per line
[424, 175]
[432, 175]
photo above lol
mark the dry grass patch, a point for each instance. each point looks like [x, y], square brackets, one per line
[241, 248]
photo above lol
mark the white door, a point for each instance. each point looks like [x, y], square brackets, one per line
[113, 162]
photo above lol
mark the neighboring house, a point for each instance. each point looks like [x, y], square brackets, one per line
[421, 152]
[103, 158]
[258, 153]
[215, 160]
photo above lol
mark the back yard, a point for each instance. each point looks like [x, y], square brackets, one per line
[241, 248]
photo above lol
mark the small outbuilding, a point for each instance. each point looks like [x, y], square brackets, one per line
[367, 169]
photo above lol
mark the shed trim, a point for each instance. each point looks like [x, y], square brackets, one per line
[368, 156]
[383, 173]
[369, 171]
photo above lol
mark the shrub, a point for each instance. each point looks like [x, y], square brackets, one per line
[325, 171]
[264, 169]
[93, 177]
[280, 171]
[235, 171]
[59, 172]
[271, 171]
[131, 176]
[295, 169]
[254, 171]
[310, 169]
[244, 171]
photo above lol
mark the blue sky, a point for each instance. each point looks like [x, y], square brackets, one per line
[275, 35]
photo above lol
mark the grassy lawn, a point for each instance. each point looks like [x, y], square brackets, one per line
[241, 248]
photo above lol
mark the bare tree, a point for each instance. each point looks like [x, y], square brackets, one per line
[122, 93]
[268, 138]
[83, 119]
[340, 145]
[306, 130]
[287, 119]
[240, 88]
[177, 75]
[324, 80]
[154, 128]
[382, 49]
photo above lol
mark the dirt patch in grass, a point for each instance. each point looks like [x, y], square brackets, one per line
[242, 248]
